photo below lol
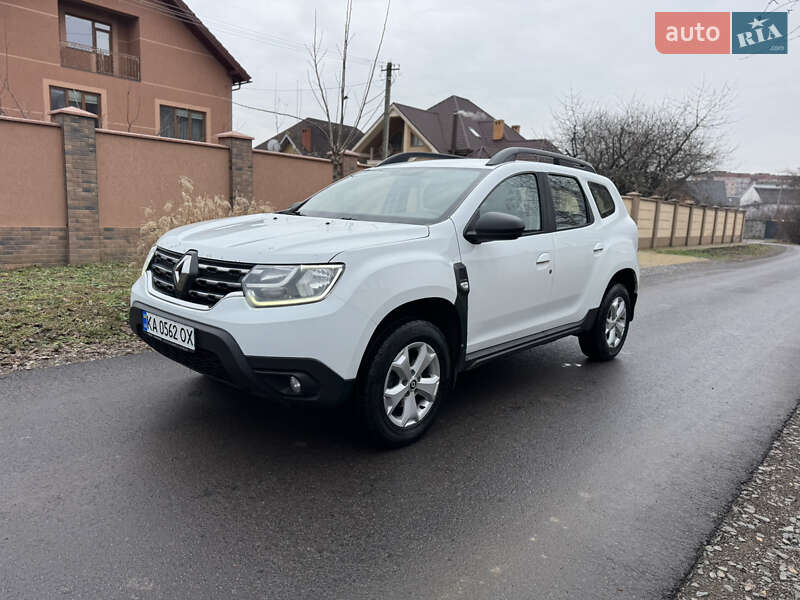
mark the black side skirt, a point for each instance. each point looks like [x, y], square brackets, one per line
[472, 359]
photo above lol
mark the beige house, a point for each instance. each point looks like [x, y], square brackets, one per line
[141, 67]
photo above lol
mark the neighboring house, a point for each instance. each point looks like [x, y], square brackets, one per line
[453, 126]
[308, 137]
[707, 191]
[764, 201]
[144, 67]
[737, 184]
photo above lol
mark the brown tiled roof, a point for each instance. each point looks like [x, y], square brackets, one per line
[319, 141]
[473, 128]
[235, 70]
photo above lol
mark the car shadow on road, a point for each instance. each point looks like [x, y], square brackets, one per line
[489, 394]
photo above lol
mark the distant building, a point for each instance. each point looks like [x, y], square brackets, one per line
[707, 191]
[770, 201]
[453, 126]
[308, 137]
[767, 207]
[736, 184]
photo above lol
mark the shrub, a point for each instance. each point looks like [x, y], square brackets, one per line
[192, 208]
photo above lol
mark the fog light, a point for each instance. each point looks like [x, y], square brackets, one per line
[295, 385]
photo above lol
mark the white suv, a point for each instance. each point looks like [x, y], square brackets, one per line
[385, 285]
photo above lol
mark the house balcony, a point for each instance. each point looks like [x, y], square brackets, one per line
[95, 60]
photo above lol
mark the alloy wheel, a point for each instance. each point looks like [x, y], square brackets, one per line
[411, 384]
[616, 321]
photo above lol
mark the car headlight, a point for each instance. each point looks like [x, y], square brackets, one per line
[282, 285]
[148, 259]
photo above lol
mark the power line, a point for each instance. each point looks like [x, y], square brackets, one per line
[229, 28]
[296, 89]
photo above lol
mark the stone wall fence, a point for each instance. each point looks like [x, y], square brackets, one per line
[663, 223]
[73, 193]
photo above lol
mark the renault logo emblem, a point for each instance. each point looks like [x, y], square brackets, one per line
[185, 271]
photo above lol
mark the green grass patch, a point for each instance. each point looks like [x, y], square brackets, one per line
[733, 252]
[54, 307]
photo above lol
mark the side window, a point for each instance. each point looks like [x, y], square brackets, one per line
[518, 196]
[568, 201]
[603, 199]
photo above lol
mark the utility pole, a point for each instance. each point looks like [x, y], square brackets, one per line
[388, 69]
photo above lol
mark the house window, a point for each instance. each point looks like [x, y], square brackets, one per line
[415, 141]
[63, 97]
[183, 123]
[86, 34]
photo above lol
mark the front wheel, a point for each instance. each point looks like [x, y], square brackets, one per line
[404, 383]
[610, 329]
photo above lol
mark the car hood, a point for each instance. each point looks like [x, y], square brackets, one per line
[276, 238]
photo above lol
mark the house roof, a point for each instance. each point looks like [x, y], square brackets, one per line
[707, 191]
[459, 120]
[319, 141]
[235, 70]
[773, 194]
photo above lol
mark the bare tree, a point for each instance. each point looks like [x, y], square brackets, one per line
[5, 83]
[339, 140]
[131, 116]
[651, 149]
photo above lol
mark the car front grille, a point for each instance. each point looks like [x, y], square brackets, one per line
[215, 278]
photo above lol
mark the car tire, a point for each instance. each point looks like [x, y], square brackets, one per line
[610, 329]
[396, 401]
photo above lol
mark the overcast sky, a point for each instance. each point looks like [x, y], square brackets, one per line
[513, 59]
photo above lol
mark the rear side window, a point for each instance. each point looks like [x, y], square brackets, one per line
[569, 202]
[603, 199]
[518, 196]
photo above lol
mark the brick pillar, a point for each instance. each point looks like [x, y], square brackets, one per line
[80, 176]
[635, 197]
[241, 163]
[656, 220]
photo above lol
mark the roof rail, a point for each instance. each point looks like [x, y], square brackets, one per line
[511, 154]
[407, 156]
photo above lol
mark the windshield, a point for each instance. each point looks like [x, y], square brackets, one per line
[406, 195]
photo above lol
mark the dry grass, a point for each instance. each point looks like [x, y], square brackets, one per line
[732, 252]
[192, 208]
[63, 313]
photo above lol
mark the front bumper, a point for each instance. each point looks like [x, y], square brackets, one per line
[218, 355]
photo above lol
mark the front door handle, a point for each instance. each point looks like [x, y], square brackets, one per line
[543, 259]
[598, 248]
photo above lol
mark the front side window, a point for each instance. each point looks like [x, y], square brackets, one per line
[87, 34]
[569, 202]
[402, 195]
[63, 97]
[518, 196]
[182, 123]
[603, 199]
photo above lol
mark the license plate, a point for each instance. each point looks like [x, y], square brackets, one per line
[168, 330]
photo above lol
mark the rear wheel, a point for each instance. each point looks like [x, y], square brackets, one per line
[404, 383]
[610, 329]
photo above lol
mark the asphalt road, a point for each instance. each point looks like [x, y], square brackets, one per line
[545, 477]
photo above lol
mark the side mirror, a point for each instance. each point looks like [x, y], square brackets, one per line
[492, 226]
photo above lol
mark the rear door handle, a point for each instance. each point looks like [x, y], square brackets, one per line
[543, 259]
[598, 248]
